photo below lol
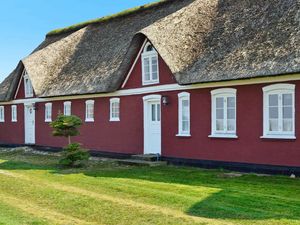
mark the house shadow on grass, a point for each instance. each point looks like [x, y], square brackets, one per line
[244, 198]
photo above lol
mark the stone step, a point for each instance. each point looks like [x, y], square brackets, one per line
[135, 162]
[147, 157]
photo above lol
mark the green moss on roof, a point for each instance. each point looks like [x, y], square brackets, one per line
[78, 26]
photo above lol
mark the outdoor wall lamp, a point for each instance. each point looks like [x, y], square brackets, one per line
[165, 100]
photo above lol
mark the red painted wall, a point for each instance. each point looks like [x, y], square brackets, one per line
[135, 78]
[12, 132]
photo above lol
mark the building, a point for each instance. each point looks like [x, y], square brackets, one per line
[208, 82]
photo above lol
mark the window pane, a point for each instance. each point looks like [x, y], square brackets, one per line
[287, 125]
[231, 102]
[220, 113]
[287, 100]
[220, 125]
[185, 126]
[287, 112]
[146, 69]
[273, 112]
[231, 113]
[273, 125]
[219, 102]
[273, 100]
[158, 112]
[231, 125]
[153, 112]
[154, 68]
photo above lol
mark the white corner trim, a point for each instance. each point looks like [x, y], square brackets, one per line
[291, 137]
[233, 136]
[134, 63]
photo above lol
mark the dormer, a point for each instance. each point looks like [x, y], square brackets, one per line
[150, 71]
[28, 90]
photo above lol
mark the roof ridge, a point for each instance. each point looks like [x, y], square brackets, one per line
[103, 19]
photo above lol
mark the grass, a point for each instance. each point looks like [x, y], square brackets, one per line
[33, 190]
[78, 26]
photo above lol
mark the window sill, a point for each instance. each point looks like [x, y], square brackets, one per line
[183, 135]
[114, 120]
[229, 136]
[89, 120]
[287, 137]
[48, 121]
[150, 83]
[14, 121]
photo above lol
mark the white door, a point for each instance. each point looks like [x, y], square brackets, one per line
[152, 124]
[29, 118]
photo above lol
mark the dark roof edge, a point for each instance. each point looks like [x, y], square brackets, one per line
[121, 14]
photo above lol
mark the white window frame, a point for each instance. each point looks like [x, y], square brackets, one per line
[149, 55]
[14, 113]
[278, 89]
[222, 93]
[48, 112]
[182, 97]
[67, 104]
[112, 101]
[89, 103]
[27, 86]
[2, 114]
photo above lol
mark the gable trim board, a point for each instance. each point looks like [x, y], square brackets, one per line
[165, 88]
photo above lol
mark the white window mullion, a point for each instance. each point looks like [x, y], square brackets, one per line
[280, 113]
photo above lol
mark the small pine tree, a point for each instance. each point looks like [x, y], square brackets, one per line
[67, 126]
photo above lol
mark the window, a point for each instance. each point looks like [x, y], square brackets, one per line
[279, 111]
[223, 113]
[89, 111]
[67, 108]
[27, 86]
[184, 114]
[48, 112]
[115, 109]
[1, 113]
[150, 65]
[14, 113]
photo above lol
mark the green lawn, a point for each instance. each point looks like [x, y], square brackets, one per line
[33, 190]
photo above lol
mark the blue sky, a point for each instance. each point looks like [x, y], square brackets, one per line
[25, 23]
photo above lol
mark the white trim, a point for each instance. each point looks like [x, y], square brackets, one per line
[48, 106]
[162, 88]
[69, 104]
[183, 96]
[278, 89]
[134, 63]
[19, 83]
[2, 119]
[111, 101]
[87, 103]
[149, 56]
[14, 113]
[288, 137]
[223, 93]
[233, 136]
[146, 100]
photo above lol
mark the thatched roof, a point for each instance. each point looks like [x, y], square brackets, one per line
[200, 40]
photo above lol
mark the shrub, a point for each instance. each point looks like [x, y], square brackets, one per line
[74, 155]
[67, 126]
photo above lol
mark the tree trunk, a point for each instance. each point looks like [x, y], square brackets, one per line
[69, 139]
